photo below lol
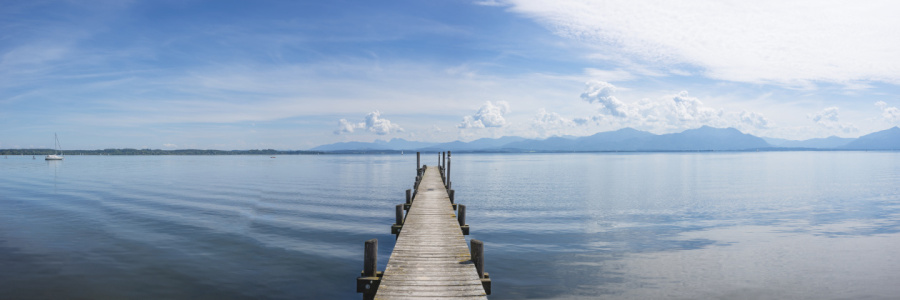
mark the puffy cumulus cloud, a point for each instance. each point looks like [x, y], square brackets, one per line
[345, 126]
[602, 93]
[668, 113]
[373, 123]
[753, 120]
[793, 43]
[889, 114]
[691, 109]
[826, 116]
[489, 115]
[829, 119]
[546, 124]
[545, 118]
[675, 112]
[380, 126]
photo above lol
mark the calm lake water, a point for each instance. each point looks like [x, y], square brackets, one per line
[767, 225]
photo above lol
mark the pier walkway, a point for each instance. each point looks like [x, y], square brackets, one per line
[431, 258]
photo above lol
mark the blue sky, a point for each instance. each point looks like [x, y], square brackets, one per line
[297, 74]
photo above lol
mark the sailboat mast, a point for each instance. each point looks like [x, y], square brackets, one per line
[58, 146]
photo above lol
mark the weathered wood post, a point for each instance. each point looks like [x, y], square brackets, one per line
[478, 256]
[448, 169]
[461, 216]
[370, 261]
[452, 193]
[370, 278]
[398, 224]
[408, 196]
[418, 163]
[477, 252]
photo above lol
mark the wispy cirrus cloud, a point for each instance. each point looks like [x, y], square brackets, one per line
[796, 43]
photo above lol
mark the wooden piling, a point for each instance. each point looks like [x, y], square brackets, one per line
[370, 261]
[477, 253]
[461, 214]
[444, 170]
[418, 163]
[477, 249]
[369, 280]
[398, 224]
[448, 170]
[451, 193]
[461, 217]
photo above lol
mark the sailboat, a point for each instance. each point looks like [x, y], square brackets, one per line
[58, 149]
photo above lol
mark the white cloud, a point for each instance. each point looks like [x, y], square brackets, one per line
[546, 124]
[691, 109]
[609, 75]
[373, 123]
[666, 114]
[826, 116]
[829, 119]
[601, 92]
[753, 120]
[169, 145]
[890, 114]
[489, 115]
[380, 126]
[489, 3]
[345, 126]
[792, 43]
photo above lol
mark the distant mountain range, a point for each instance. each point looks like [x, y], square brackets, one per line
[628, 139]
[819, 143]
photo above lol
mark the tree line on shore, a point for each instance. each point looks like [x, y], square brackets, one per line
[129, 151]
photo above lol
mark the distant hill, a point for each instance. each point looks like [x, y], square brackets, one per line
[703, 138]
[624, 139]
[548, 144]
[476, 145]
[629, 139]
[888, 139]
[776, 142]
[817, 143]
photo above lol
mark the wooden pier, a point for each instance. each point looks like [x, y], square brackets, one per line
[431, 258]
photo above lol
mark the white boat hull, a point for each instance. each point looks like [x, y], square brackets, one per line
[53, 157]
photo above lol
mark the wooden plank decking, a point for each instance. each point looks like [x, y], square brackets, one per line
[430, 259]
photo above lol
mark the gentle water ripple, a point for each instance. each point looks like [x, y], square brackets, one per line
[814, 225]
